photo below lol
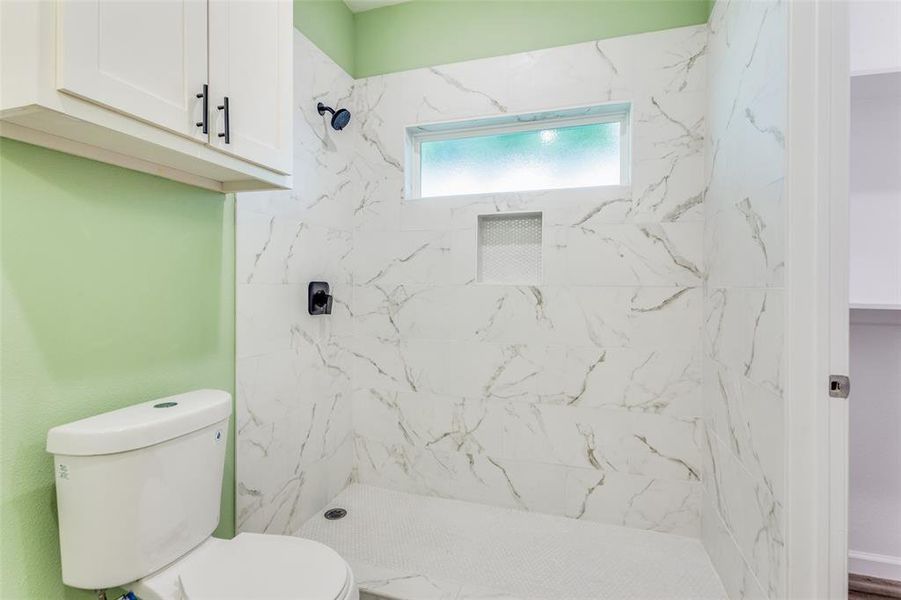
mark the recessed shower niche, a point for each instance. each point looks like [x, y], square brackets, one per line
[510, 248]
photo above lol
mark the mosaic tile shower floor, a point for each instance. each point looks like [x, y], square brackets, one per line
[404, 546]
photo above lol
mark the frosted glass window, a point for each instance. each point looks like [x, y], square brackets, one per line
[540, 154]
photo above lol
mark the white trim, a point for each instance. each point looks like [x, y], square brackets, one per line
[865, 72]
[882, 566]
[611, 112]
[855, 306]
[75, 148]
[836, 87]
[817, 305]
[804, 322]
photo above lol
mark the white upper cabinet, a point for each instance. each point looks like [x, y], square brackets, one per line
[123, 82]
[250, 66]
[147, 59]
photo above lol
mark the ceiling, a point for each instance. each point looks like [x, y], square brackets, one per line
[364, 5]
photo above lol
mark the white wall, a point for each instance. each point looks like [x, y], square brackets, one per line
[875, 445]
[875, 202]
[875, 39]
[875, 279]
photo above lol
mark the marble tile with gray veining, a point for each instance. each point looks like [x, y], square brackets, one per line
[634, 501]
[491, 393]
[735, 574]
[518, 396]
[293, 379]
[660, 254]
[744, 303]
[748, 509]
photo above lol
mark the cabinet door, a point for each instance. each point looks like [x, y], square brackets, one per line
[251, 56]
[145, 58]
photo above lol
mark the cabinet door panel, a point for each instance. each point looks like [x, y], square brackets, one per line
[145, 58]
[251, 56]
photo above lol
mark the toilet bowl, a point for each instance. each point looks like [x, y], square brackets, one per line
[253, 567]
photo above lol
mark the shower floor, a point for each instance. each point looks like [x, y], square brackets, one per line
[405, 546]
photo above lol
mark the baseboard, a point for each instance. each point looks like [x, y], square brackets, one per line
[880, 566]
[873, 587]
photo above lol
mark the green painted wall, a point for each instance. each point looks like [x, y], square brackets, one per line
[330, 25]
[432, 32]
[118, 287]
[424, 33]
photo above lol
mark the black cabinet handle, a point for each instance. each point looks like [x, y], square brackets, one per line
[224, 106]
[206, 109]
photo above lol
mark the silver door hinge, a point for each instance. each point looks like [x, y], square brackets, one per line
[839, 386]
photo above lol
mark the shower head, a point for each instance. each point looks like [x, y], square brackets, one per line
[340, 117]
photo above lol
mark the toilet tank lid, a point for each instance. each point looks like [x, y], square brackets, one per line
[140, 425]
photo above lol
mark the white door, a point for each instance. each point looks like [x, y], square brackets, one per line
[145, 58]
[251, 51]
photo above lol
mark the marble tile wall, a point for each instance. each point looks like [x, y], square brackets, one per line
[580, 396]
[648, 359]
[743, 526]
[293, 401]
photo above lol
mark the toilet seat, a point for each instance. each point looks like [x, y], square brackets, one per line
[251, 567]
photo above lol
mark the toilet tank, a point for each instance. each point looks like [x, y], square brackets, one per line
[138, 487]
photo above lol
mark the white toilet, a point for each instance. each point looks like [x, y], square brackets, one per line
[138, 493]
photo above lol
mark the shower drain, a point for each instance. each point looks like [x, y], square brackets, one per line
[335, 513]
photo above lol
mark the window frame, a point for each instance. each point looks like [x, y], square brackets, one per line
[614, 112]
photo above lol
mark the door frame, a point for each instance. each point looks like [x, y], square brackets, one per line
[817, 298]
